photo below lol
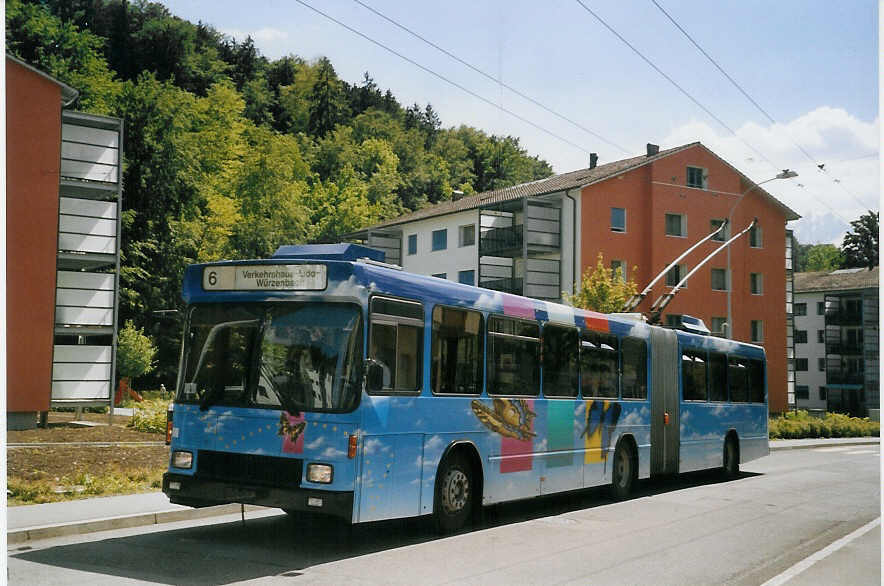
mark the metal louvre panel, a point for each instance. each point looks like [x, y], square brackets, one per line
[664, 398]
[249, 468]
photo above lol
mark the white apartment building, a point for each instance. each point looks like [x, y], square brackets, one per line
[836, 341]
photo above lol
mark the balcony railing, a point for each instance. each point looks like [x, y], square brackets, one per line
[501, 241]
[503, 285]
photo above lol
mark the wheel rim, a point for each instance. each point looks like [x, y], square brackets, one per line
[455, 491]
[622, 468]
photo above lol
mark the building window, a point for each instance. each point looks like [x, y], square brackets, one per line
[618, 265]
[440, 239]
[822, 393]
[440, 275]
[673, 320]
[618, 220]
[758, 331]
[756, 283]
[676, 274]
[800, 309]
[412, 244]
[755, 237]
[821, 336]
[718, 326]
[466, 277]
[802, 392]
[719, 279]
[801, 365]
[821, 308]
[676, 225]
[801, 336]
[696, 177]
[821, 364]
[467, 235]
[721, 236]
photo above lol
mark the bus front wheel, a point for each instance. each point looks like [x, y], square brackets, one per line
[455, 494]
[623, 472]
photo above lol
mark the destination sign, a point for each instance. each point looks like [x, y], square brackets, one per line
[265, 278]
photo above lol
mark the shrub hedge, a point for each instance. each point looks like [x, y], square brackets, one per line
[150, 415]
[802, 425]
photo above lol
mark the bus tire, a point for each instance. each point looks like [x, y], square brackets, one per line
[455, 494]
[731, 459]
[623, 471]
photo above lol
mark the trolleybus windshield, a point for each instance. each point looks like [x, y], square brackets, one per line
[295, 356]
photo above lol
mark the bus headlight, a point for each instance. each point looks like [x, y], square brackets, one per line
[321, 473]
[182, 459]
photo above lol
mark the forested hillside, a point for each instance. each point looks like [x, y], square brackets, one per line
[229, 154]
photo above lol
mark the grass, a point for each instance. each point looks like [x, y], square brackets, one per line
[24, 491]
[150, 415]
[802, 425]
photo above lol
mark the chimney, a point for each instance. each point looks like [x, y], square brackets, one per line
[593, 160]
[653, 149]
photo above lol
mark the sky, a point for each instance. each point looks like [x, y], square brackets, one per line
[810, 65]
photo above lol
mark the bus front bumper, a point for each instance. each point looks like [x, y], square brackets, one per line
[200, 492]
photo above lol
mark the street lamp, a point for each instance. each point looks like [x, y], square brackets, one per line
[784, 174]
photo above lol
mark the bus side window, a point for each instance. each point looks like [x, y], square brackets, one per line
[599, 365]
[738, 380]
[513, 357]
[756, 381]
[634, 382]
[693, 375]
[456, 351]
[560, 351]
[396, 342]
[717, 376]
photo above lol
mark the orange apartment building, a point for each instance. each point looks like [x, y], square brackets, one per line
[537, 238]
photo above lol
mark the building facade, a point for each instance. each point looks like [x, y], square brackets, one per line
[62, 242]
[538, 238]
[836, 341]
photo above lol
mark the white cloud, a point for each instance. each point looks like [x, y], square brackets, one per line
[831, 136]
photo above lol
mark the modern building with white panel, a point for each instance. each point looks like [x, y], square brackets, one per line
[87, 282]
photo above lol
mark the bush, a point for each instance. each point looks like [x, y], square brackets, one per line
[135, 352]
[800, 425]
[150, 416]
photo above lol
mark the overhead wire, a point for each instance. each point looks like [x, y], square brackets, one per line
[764, 112]
[443, 78]
[491, 77]
[695, 100]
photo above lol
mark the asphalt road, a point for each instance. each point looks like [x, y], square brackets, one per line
[698, 529]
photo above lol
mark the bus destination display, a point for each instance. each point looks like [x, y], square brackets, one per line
[265, 278]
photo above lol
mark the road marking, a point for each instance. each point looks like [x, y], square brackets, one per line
[821, 554]
[851, 453]
[830, 449]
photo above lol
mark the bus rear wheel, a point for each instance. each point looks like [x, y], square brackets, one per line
[623, 472]
[455, 494]
[731, 461]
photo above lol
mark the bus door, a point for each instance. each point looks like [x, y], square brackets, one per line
[664, 402]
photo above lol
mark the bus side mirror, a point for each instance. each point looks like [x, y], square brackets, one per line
[374, 376]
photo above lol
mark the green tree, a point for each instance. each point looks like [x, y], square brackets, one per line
[602, 289]
[822, 257]
[135, 351]
[328, 104]
[860, 245]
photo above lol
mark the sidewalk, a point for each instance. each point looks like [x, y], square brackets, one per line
[31, 522]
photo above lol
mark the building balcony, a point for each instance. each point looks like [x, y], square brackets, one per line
[504, 285]
[844, 348]
[503, 242]
[844, 318]
[844, 377]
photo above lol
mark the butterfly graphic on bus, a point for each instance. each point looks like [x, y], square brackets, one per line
[291, 428]
[601, 420]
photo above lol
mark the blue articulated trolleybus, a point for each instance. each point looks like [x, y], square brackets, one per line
[322, 380]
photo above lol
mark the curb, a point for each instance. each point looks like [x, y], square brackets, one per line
[94, 525]
[858, 442]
